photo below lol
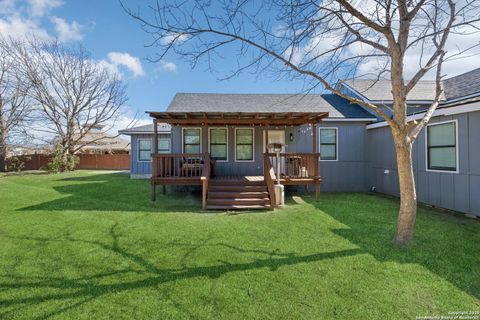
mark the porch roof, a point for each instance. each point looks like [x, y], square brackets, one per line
[238, 118]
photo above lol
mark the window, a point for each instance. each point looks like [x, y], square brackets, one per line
[244, 144]
[192, 140]
[163, 145]
[218, 144]
[144, 150]
[442, 146]
[328, 144]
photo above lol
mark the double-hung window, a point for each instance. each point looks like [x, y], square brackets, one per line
[218, 144]
[192, 140]
[442, 146]
[244, 144]
[163, 145]
[144, 150]
[328, 144]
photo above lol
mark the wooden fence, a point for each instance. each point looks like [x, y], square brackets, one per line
[87, 161]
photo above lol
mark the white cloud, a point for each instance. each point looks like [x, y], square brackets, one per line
[168, 66]
[19, 27]
[179, 38]
[67, 31]
[7, 6]
[128, 120]
[116, 60]
[39, 8]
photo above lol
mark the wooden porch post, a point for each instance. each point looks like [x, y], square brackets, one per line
[266, 139]
[204, 138]
[154, 160]
[316, 159]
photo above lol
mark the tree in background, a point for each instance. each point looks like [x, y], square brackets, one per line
[15, 105]
[72, 92]
[323, 42]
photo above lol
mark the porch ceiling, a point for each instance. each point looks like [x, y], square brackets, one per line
[234, 118]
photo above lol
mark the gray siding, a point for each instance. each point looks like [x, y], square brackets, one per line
[346, 174]
[141, 168]
[457, 191]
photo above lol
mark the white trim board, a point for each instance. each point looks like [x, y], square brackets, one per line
[471, 107]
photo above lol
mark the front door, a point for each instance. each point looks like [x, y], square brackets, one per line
[274, 136]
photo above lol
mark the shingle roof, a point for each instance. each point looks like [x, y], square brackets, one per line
[381, 90]
[253, 103]
[162, 127]
[347, 109]
[462, 85]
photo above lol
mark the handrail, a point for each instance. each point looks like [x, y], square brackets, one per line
[205, 178]
[269, 178]
[295, 165]
[177, 165]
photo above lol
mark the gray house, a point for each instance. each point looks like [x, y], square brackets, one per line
[324, 139]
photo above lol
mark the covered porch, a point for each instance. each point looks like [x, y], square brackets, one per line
[242, 173]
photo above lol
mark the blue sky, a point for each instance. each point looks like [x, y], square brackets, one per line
[111, 36]
[118, 42]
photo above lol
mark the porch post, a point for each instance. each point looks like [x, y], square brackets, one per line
[316, 159]
[154, 160]
[204, 138]
[266, 139]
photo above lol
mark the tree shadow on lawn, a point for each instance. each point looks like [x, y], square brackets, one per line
[87, 288]
[115, 192]
[446, 243]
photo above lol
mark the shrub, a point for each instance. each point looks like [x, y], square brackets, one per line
[17, 163]
[62, 162]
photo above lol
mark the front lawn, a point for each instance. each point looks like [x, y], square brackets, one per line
[90, 245]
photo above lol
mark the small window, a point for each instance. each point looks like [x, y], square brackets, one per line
[163, 145]
[192, 138]
[218, 143]
[244, 144]
[442, 146]
[328, 144]
[144, 150]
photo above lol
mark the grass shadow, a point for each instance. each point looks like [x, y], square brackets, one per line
[81, 290]
[114, 192]
[445, 243]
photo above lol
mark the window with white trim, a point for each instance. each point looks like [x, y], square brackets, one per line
[244, 144]
[218, 144]
[163, 145]
[192, 140]
[328, 144]
[442, 146]
[144, 150]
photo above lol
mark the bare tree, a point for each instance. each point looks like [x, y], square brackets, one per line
[15, 106]
[324, 42]
[74, 94]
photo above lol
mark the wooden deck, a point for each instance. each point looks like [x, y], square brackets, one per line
[231, 191]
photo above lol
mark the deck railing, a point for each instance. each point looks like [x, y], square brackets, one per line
[295, 165]
[206, 173]
[179, 165]
[269, 178]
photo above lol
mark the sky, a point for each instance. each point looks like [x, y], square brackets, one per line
[117, 41]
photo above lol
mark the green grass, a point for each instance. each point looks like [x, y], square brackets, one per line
[90, 245]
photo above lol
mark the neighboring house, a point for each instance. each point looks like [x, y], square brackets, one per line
[356, 148]
[97, 141]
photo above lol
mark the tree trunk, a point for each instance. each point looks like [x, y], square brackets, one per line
[3, 160]
[408, 194]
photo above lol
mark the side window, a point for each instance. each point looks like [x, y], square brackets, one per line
[442, 146]
[192, 138]
[164, 145]
[144, 150]
[328, 144]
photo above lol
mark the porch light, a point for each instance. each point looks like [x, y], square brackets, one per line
[291, 137]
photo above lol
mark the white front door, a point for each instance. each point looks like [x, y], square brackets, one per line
[274, 136]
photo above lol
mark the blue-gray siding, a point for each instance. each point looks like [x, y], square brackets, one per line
[457, 191]
[141, 168]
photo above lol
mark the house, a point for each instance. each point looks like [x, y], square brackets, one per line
[222, 143]
[97, 141]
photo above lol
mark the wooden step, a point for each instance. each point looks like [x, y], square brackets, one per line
[214, 182]
[236, 194]
[237, 188]
[238, 201]
[238, 207]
